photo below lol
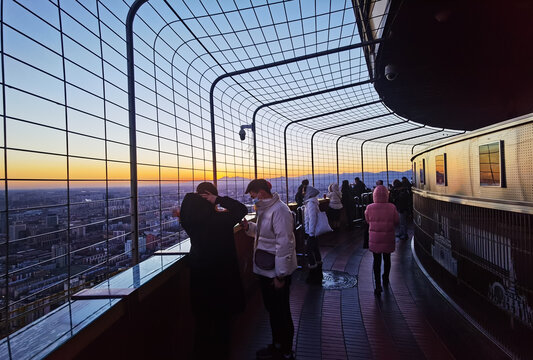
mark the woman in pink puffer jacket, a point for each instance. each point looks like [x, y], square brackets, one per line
[382, 219]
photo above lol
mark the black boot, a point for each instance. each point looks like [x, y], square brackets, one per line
[315, 276]
[385, 281]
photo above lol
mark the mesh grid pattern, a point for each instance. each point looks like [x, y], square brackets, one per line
[65, 204]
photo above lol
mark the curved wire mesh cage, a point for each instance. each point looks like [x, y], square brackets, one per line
[96, 155]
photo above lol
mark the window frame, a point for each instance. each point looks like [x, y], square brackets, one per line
[501, 165]
[445, 170]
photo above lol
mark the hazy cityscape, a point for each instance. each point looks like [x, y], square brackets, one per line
[61, 242]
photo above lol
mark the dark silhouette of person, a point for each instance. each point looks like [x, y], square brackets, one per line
[215, 283]
[300, 193]
[400, 196]
[348, 202]
[358, 187]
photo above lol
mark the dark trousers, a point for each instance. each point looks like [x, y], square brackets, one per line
[377, 267]
[278, 306]
[312, 251]
[212, 336]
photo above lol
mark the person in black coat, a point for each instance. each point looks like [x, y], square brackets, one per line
[300, 193]
[216, 288]
[348, 203]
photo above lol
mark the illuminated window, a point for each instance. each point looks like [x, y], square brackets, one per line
[490, 164]
[440, 170]
[423, 172]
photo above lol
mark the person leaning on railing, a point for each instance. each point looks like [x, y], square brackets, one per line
[216, 288]
[274, 262]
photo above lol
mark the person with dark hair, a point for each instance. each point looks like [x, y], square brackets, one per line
[348, 202]
[358, 187]
[300, 193]
[215, 283]
[274, 262]
[406, 183]
[382, 218]
[379, 182]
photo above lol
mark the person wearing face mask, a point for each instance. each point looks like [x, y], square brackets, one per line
[216, 288]
[274, 262]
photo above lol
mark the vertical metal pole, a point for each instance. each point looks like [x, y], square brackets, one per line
[313, 159]
[337, 152]
[387, 161]
[133, 130]
[5, 217]
[314, 117]
[255, 139]
[362, 167]
[213, 137]
[286, 162]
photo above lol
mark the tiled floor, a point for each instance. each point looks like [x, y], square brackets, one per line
[409, 321]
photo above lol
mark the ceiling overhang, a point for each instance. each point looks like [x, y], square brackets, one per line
[461, 65]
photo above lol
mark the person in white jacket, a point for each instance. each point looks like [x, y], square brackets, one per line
[312, 252]
[335, 205]
[274, 262]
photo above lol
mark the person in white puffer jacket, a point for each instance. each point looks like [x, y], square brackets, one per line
[312, 252]
[335, 206]
[274, 262]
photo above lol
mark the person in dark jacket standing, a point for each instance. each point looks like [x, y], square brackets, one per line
[400, 196]
[348, 203]
[299, 197]
[358, 187]
[215, 286]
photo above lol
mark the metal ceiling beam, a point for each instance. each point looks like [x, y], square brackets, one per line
[263, 67]
[360, 132]
[397, 141]
[299, 97]
[311, 118]
[381, 137]
[334, 127]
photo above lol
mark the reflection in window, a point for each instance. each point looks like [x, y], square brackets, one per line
[489, 164]
[440, 169]
[423, 172]
[414, 173]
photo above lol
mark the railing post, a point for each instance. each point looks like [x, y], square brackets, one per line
[133, 131]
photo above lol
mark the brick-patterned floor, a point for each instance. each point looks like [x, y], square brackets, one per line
[410, 320]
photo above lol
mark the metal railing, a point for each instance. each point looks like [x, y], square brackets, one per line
[484, 250]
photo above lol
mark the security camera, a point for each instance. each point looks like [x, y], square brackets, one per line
[242, 134]
[391, 72]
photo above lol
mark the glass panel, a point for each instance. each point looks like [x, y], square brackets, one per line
[30, 165]
[440, 169]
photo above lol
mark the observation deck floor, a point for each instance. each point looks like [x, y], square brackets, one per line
[410, 320]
